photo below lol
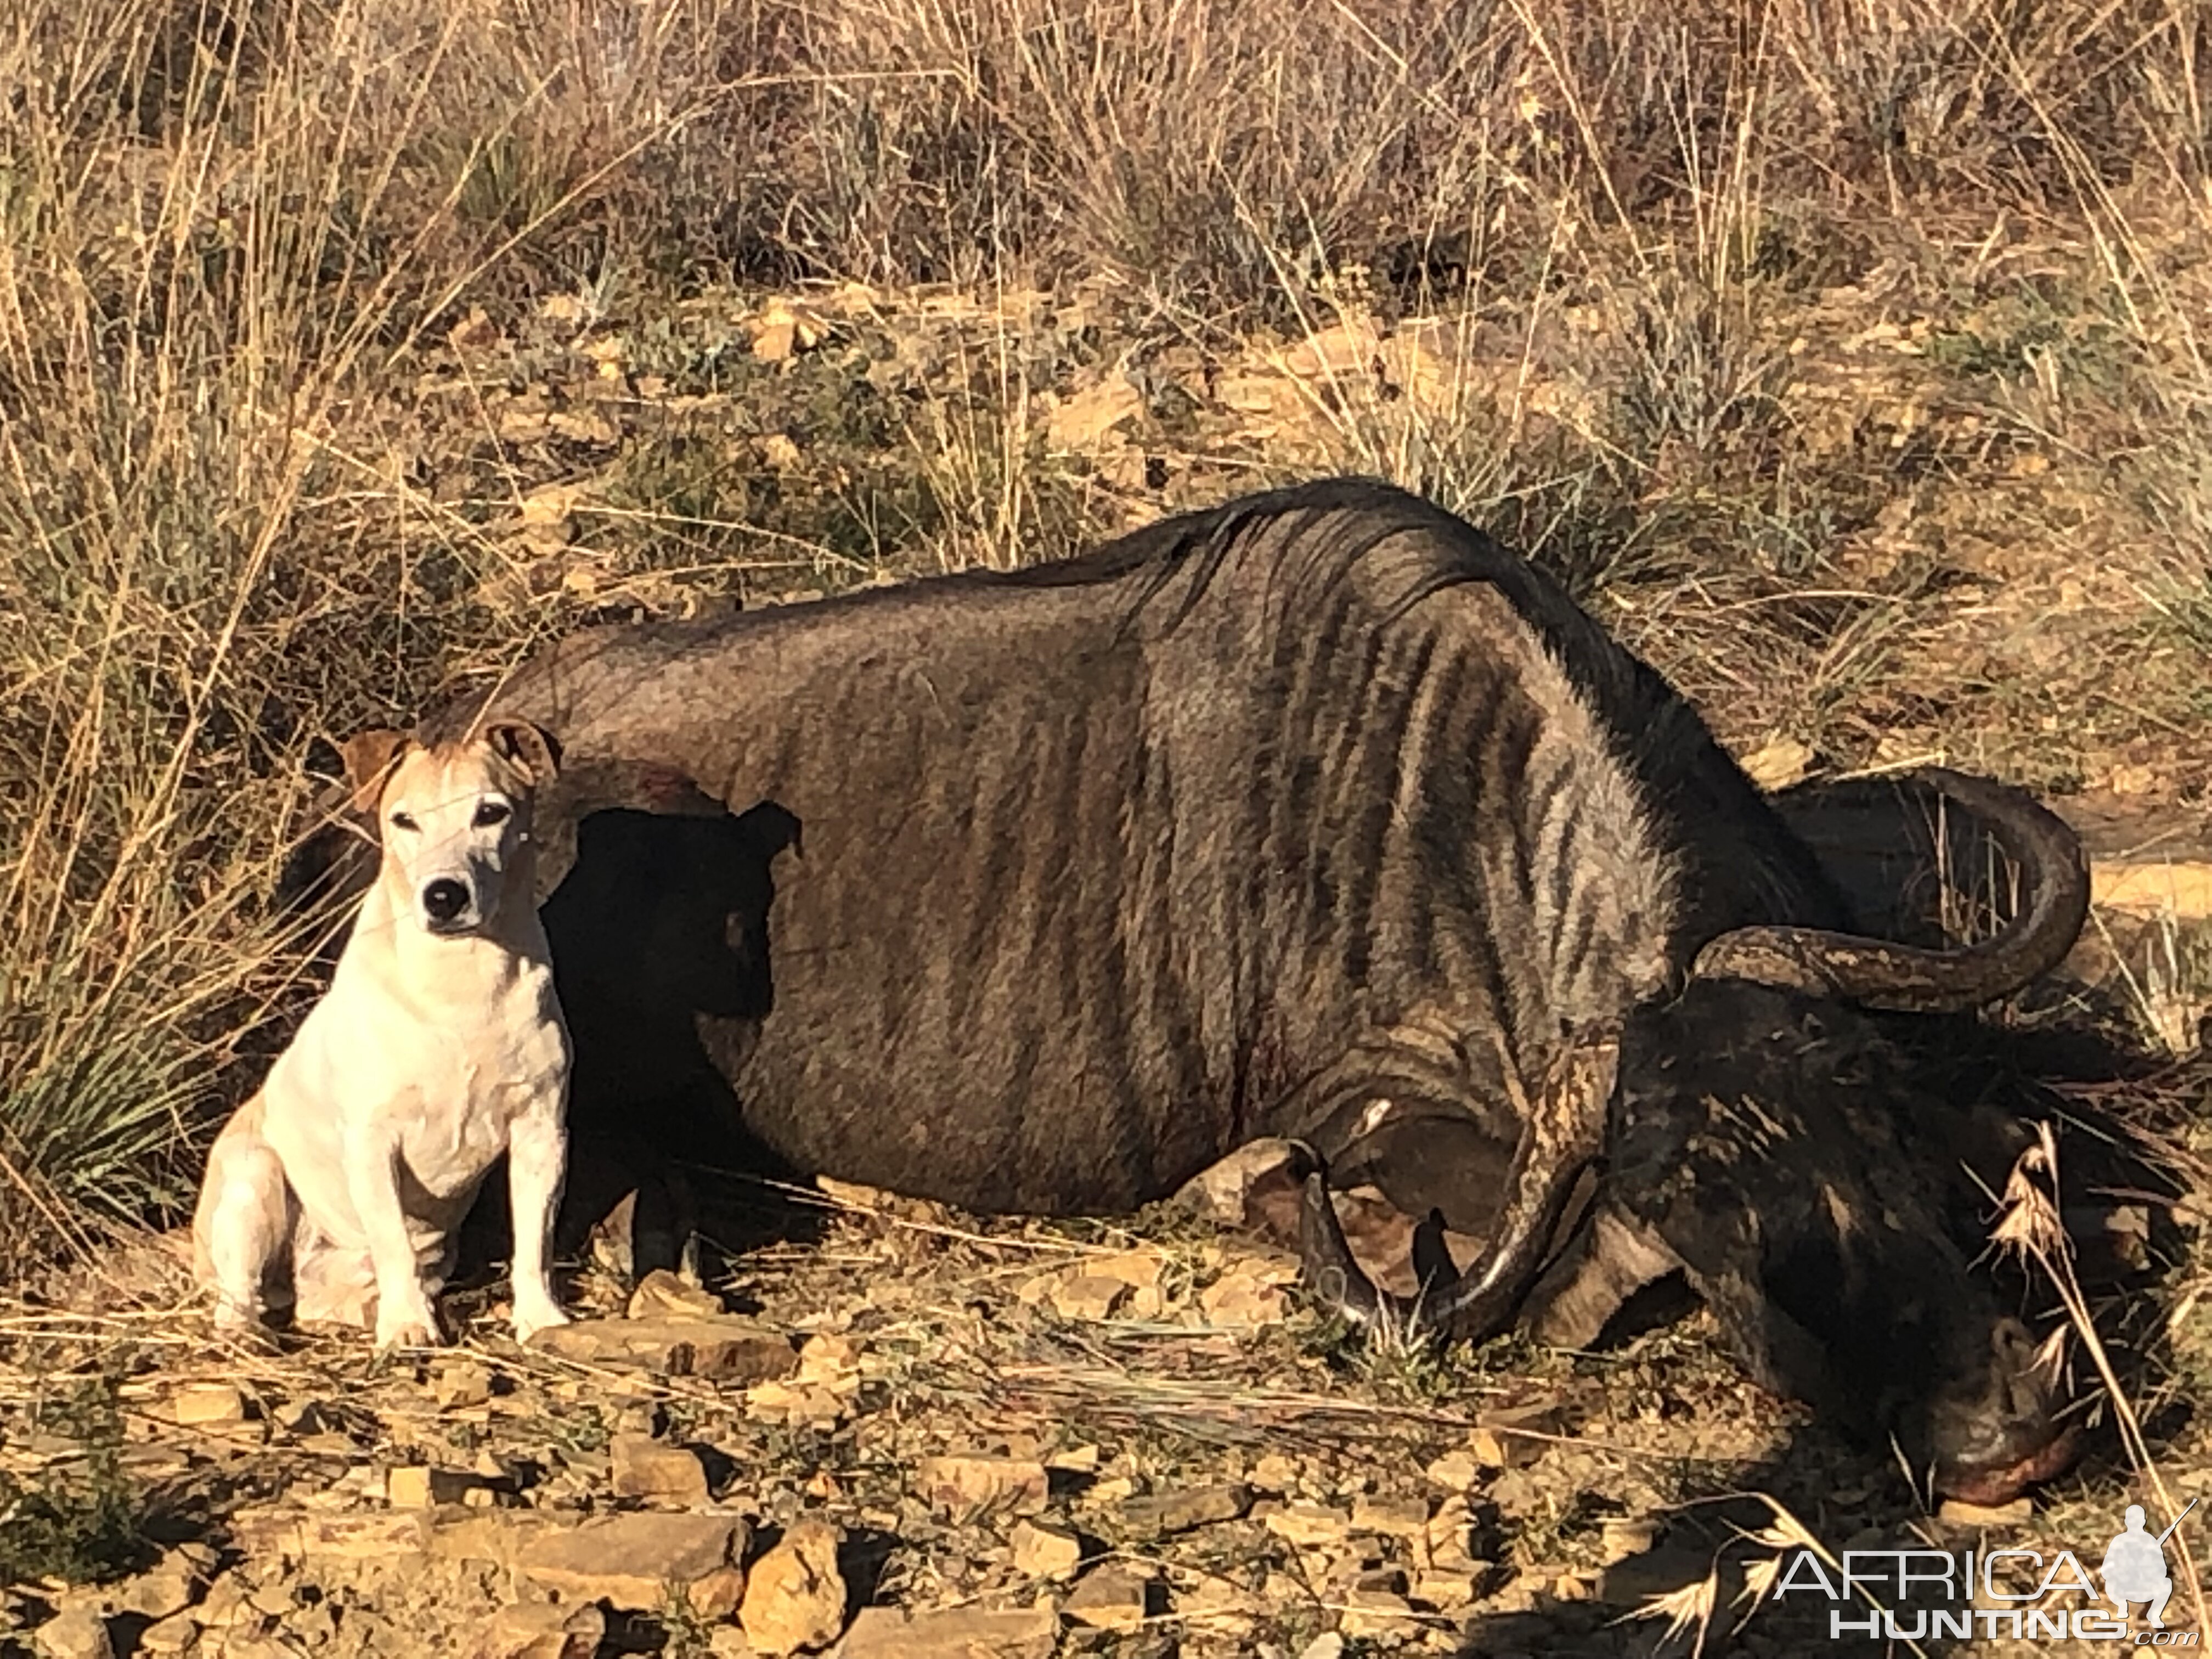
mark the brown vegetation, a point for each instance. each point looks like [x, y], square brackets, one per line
[1847, 353]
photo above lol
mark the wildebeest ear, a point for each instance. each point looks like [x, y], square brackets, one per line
[369, 758]
[532, 750]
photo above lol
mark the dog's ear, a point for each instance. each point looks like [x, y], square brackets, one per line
[531, 750]
[369, 758]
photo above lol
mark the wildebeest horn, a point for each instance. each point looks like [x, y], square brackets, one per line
[1884, 974]
[1565, 1133]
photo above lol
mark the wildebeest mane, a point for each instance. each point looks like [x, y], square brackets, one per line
[1329, 529]
[1197, 546]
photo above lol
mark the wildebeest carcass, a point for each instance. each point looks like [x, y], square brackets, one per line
[1317, 815]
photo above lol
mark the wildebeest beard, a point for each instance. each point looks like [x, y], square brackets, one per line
[1785, 1150]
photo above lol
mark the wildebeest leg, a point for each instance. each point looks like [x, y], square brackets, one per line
[1610, 1261]
[1336, 1275]
[652, 1227]
[1427, 1161]
[1562, 1132]
[1267, 1198]
[629, 1207]
[1399, 1111]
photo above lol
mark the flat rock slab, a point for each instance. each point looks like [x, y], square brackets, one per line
[2143, 855]
[2182, 890]
[723, 1346]
[664, 1295]
[1044, 1552]
[967, 1486]
[539, 1630]
[1142, 1519]
[629, 1561]
[1121, 1596]
[296, 1534]
[671, 1476]
[794, 1600]
[955, 1634]
[81, 1633]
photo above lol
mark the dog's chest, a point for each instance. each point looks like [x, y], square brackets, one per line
[456, 1126]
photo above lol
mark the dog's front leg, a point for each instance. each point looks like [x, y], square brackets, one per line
[537, 1161]
[404, 1318]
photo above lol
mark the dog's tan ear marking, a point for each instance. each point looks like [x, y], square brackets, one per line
[531, 749]
[369, 758]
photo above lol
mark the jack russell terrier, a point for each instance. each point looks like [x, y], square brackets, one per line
[438, 1046]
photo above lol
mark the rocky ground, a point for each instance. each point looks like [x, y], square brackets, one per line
[904, 1432]
[1847, 361]
[901, 1431]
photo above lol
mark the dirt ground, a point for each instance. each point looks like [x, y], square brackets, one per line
[1133, 1438]
[1048, 1439]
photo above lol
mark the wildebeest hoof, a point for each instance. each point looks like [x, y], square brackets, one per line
[1330, 1270]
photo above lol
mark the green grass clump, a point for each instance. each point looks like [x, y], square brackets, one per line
[77, 1522]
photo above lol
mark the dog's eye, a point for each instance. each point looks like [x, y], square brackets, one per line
[403, 821]
[492, 811]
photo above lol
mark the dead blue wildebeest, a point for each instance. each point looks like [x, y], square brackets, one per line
[1317, 815]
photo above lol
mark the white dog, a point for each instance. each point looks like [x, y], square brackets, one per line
[439, 1045]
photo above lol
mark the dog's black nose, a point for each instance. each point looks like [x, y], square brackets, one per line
[444, 899]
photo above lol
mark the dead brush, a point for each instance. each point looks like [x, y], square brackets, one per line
[2028, 1226]
[2169, 986]
[1691, 1610]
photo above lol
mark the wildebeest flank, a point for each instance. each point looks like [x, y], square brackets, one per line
[1317, 814]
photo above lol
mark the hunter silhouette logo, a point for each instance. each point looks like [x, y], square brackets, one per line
[2005, 1592]
[2134, 1566]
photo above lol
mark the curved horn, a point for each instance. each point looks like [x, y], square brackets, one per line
[1884, 974]
[1565, 1133]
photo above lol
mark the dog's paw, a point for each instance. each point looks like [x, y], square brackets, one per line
[530, 1318]
[413, 1328]
[246, 1328]
[231, 1317]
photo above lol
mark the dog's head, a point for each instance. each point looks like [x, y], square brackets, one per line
[454, 820]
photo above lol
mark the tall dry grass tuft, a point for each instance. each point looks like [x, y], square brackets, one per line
[232, 232]
[2029, 1226]
[220, 227]
[1196, 145]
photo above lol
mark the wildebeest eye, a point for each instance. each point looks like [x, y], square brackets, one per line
[403, 821]
[492, 811]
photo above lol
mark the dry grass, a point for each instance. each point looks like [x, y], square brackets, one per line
[238, 237]
[1847, 356]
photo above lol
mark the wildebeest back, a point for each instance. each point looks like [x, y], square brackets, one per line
[1096, 865]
